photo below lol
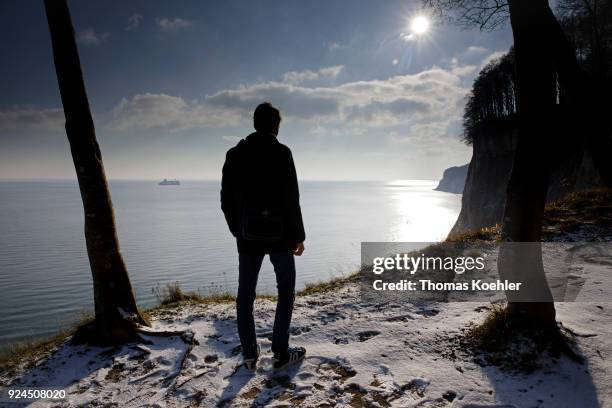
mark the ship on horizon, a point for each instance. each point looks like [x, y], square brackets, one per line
[166, 182]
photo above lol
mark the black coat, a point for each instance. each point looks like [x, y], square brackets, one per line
[260, 166]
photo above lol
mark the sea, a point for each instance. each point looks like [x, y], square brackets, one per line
[178, 234]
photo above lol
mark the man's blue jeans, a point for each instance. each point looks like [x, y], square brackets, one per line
[248, 267]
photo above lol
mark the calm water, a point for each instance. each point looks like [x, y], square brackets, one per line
[178, 233]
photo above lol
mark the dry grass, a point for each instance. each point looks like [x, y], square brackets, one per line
[589, 202]
[592, 207]
[172, 295]
[28, 352]
[326, 286]
[494, 332]
[503, 340]
[483, 234]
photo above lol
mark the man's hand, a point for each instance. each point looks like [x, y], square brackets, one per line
[299, 249]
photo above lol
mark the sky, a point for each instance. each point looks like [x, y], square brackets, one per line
[172, 86]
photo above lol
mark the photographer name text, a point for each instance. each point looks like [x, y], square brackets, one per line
[428, 285]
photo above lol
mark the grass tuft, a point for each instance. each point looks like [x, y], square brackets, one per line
[28, 352]
[493, 333]
[583, 201]
[171, 294]
[326, 286]
[590, 208]
[483, 234]
[505, 341]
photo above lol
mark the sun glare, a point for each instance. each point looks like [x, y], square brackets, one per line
[419, 25]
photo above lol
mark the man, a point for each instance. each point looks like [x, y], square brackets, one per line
[261, 203]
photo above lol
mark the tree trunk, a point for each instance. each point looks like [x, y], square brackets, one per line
[116, 312]
[528, 184]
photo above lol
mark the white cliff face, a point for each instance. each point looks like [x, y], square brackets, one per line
[453, 179]
[484, 194]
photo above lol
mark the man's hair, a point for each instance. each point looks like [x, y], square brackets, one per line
[266, 117]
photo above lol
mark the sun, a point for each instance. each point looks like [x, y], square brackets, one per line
[419, 25]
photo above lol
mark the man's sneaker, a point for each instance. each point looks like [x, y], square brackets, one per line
[250, 362]
[292, 356]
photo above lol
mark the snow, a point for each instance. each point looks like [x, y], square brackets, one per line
[358, 354]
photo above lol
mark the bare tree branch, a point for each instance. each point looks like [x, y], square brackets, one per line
[487, 15]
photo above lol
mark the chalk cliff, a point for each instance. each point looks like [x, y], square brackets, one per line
[484, 194]
[453, 179]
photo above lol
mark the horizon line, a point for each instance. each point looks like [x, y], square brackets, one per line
[11, 179]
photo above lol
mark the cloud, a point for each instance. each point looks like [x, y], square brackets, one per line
[134, 21]
[431, 96]
[387, 112]
[301, 76]
[426, 134]
[231, 139]
[294, 101]
[464, 70]
[493, 56]
[173, 24]
[295, 77]
[320, 130]
[148, 111]
[475, 49]
[89, 37]
[471, 56]
[331, 72]
[32, 119]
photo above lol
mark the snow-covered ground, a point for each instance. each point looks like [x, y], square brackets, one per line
[359, 355]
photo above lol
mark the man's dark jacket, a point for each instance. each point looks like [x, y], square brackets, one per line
[260, 169]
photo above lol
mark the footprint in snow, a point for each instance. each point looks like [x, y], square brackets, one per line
[340, 370]
[400, 318]
[367, 335]
[427, 312]
[449, 395]
[296, 331]
[211, 358]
